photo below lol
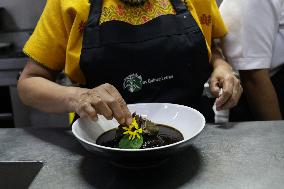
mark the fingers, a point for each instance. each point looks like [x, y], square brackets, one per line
[228, 87]
[118, 105]
[85, 110]
[104, 100]
[232, 91]
[214, 87]
[111, 105]
[101, 105]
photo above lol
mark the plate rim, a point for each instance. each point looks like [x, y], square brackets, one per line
[145, 149]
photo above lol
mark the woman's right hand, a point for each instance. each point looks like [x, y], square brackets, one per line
[104, 100]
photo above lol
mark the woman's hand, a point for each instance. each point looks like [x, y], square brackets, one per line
[223, 79]
[104, 100]
[55, 98]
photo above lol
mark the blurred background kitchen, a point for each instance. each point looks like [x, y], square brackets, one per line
[17, 21]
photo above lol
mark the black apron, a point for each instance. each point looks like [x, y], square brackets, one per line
[163, 60]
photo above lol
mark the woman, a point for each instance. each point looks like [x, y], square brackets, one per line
[255, 47]
[125, 52]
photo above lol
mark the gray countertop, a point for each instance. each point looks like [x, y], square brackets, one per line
[232, 155]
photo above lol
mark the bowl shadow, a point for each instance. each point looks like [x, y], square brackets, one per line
[170, 173]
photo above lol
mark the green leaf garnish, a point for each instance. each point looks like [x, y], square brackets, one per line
[125, 143]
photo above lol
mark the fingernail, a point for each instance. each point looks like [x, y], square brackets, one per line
[129, 121]
[122, 121]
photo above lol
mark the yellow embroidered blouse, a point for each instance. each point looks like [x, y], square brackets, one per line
[57, 40]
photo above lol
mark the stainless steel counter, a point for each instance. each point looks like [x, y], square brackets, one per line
[232, 155]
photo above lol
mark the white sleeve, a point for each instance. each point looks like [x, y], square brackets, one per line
[253, 26]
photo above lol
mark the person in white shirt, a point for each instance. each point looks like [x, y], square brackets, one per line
[255, 47]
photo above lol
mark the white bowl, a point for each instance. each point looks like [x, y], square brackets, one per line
[187, 120]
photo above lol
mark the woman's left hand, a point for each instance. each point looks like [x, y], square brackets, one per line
[224, 85]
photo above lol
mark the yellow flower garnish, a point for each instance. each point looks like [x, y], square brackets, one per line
[132, 130]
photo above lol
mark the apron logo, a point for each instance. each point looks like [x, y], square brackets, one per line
[133, 83]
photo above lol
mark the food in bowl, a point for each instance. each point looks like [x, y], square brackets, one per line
[140, 134]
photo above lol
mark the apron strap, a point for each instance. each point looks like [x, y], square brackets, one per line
[91, 30]
[95, 13]
[96, 9]
[179, 6]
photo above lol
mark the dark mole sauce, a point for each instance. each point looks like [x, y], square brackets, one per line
[167, 135]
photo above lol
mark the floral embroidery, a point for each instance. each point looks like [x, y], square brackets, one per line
[82, 26]
[149, 7]
[164, 3]
[205, 19]
[137, 15]
[120, 10]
